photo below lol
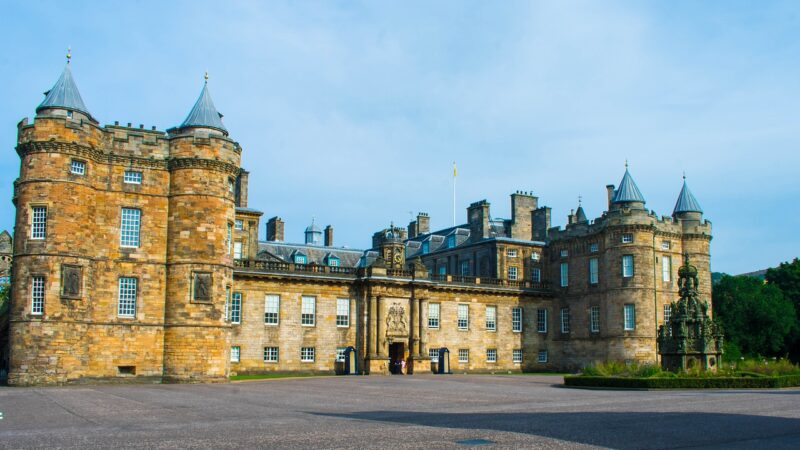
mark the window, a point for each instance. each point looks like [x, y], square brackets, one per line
[132, 177]
[593, 247]
[511, 253]
[535, 256]
[564, 253]
[236, 308]
[342, 312]
[237, 250]
[307, 354]
[77, 167]
[630, 317]
[536, 275]
[594, 271]
[38, 222]
[463, 317]
[594, 319]
[227, 313]
[516, 320]
[541, 320]
[433, 354]
[333, 261]
[442, 270]
[565, 320]
[512, 273]
[37, 295]
[230, 237]
[426, 247]
[340, 353]
[666, 268]
[299, 258]
[235, 351]
[69, 114]
[231, 185]
[451, 241]
[516, 356]
[667, 313]
[127, 297]
[272, 306]
[564, 274]
[665, 245]
[491, 318]
[627, 238]
[464, 268]
[433, 315]
[238, 224]
[463, 355]
[542, 356]
[491, 355]
[271, 354]
[308, 311]
[129, 229]
[627, 266]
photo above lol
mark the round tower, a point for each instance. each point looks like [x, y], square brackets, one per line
[204, 163]
[696, 237]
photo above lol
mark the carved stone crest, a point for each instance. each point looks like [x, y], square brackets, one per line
[202, 287]
[71, 281]
[396, 320]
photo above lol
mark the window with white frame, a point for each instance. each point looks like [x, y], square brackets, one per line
[593, 247]
[535, 256]
[238, 224]
[627, 266]
[227, 312]
[300, 258]
[491, 355]
[129, 227]
[463, 317]
[237, 250]
[77, 167]
[542, 356]
[433, 315]
[463, 355]
[594, 319]
[37, 295]
[333, 261]
[564, 274]
[342, 312]
[667, 312]
[433, 354]
[594, 270]
[308, 311]
[512, 273]
[666, 268]
[340, 353]
[132, 177]
[516, 319]
[307, 354]
[271, 354]
[236, 308]
[630, 317]
[272, 307]
[665, 245]
[541, 320]
[564, 253]
[565, 320]
[126, 306]
[516, 356]
[511, 253]
[38, 222]
[536, 275]
[464, 268]
[235, 353]
[491, 318]
[627, 238]
[230, 238]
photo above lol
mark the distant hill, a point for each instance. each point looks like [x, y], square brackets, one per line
[716, 276]
[760, 274]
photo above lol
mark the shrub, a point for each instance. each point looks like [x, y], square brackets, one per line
[684, 382]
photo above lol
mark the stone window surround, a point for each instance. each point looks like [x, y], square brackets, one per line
[272, 310]
[342, 312]
[77, 167]
[491, 318]
[236, 308]
[134, 306]
[434, 318]
[271, 354]
[307, 354]
[516, 322]
[33, 295]
[491, 355]
[463, 355]
[308, 311]
[594, 319]
[37, 221]
[463, 319]
[235, 353]
[132, 177]
[130, 230]
[516, 356]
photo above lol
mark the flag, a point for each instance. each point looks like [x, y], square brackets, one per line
[455, 171]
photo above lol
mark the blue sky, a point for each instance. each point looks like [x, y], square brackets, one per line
[354, 112]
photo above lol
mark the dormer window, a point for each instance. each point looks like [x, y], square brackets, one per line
[426, 247]
[300, 258]
[451, 241]
[333, 261]
[77, 167]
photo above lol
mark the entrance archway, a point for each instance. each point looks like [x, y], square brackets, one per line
[397, 353]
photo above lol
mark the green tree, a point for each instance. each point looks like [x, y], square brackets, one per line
[756, 317]
[5, 294]
[787, 278]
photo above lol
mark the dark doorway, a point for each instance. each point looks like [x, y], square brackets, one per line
[397, 352]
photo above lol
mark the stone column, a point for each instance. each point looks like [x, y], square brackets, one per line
[381, 328]
[420, 327]
[413, 342]
[372, 316]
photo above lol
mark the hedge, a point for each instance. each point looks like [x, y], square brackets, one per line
[766, 382]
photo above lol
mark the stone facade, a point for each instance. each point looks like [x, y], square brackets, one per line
[193, 297]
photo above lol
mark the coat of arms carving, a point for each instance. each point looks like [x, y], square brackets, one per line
[396, 319]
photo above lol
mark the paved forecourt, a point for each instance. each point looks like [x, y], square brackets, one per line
[421, 411]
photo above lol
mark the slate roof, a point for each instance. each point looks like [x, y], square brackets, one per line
[686, 201]
[627, 191]
[580, 215]
[281, 251]
[204, 114]
[64, 94]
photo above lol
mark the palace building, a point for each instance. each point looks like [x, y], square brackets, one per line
[137, 257]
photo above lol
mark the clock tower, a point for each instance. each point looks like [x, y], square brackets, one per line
[389, 243]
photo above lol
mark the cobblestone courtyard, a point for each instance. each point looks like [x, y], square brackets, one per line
[395, 412]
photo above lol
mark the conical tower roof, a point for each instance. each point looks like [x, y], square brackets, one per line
[64, 94]
[686, 201]
[204, 114]
[628, 191]
[580, 215]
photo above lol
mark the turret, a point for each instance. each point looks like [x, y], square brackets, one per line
[687, 208]
[313, 234]
[64, 99]
[628, 194]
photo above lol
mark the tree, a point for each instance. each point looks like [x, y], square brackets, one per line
[787, 278]
[756, 317]
[5, 294]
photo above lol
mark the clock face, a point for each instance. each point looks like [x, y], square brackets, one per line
[398, 257]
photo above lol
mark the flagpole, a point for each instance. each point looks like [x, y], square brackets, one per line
[455, 174]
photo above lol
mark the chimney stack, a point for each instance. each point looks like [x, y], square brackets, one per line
[423, 223]
[610, 190]
[275, 229]
[328, 236]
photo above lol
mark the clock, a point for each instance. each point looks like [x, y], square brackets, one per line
[398, 257]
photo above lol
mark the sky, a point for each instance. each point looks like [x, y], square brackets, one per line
[352, 113]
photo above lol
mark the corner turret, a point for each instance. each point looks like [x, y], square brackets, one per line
[64, 99]
[687, 208]
[628, 194]
[203, 116]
